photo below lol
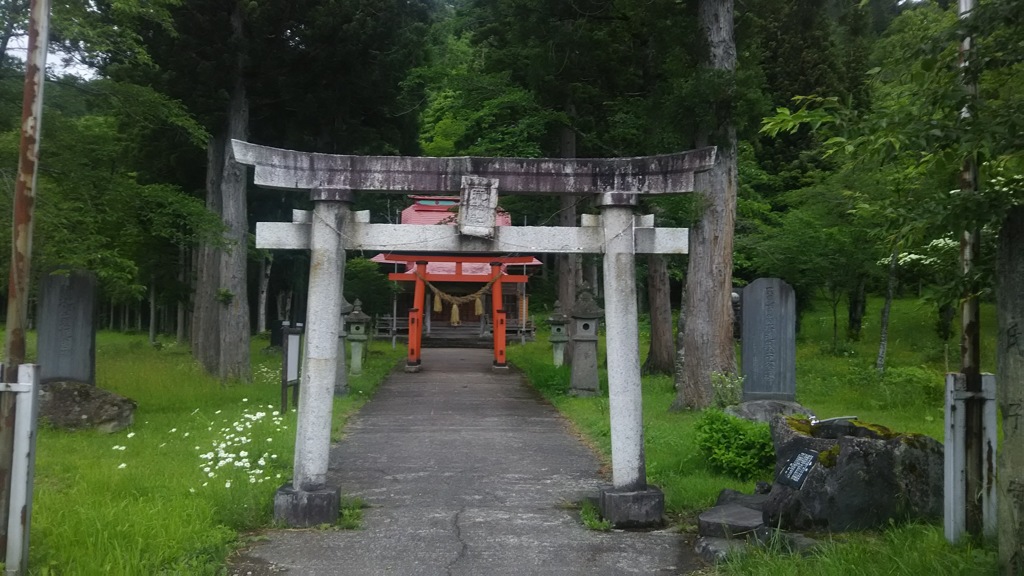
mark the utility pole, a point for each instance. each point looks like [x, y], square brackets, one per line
[21, 240]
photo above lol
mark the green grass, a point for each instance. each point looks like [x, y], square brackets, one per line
[591, 517]
[907, 398]
[907, 550]
[139, 501]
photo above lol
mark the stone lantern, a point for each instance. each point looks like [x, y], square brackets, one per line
[358, 322]
[559, 323]
[341, 376]
[585, 316]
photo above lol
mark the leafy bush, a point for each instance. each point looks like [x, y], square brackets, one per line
[912, 385]
[735, 446]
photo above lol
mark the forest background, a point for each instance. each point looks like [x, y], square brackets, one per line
[849, 118]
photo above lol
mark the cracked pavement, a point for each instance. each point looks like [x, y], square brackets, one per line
[464, 471]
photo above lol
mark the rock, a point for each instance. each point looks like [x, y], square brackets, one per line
[71, 405]
[715, 550]
[728, 521]
[858, 481]
[789, 441]
[782, 541]
[752, 501]
[765, 410]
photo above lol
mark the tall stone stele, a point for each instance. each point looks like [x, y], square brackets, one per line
[585, 317]
[559, 323]
[357, 323]
[67, 328]
[769, 341]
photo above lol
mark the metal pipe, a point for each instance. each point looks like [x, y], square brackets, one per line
[22, 470]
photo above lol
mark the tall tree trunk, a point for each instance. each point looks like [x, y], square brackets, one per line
[890, 292]
[568, 264]
[661, 356]
[857, 303]
[284, 305]
[234, 306]
[206, 335]
[266, 265]
[181, 305]
[1010, 367]
[152, 311]
[680, 359]
[708, 344]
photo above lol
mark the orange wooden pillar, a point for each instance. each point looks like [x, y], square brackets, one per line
[412, 362]
[498, 315]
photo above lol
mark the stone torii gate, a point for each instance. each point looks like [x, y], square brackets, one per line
[618, 234]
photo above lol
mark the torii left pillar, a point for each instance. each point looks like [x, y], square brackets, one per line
[308, 500]
[498, 318]
[630, 501]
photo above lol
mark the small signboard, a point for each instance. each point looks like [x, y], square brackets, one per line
[795, 472]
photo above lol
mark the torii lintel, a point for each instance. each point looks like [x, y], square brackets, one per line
[289, 169]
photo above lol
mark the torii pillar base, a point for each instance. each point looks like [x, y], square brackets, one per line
[304, 509]
[626, 508]
[413, 368]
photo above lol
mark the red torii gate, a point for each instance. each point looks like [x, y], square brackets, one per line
[420, 275]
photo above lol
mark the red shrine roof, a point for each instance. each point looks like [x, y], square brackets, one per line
[443, 210]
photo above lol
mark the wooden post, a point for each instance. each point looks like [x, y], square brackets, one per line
[413, 361]
[498, 316]
[970, 333]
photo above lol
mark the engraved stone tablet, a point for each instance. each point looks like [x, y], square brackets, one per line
[67, 331]
[794, 473]
[477, 214]
[769, 341]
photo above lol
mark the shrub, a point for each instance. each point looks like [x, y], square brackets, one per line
[912, 385]
[728, 388]
[735, 446]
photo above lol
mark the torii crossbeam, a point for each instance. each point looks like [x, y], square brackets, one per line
[332, 228]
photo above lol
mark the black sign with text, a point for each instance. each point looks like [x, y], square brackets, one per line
[795, 471]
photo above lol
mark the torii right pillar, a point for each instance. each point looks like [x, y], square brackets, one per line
[630, 501]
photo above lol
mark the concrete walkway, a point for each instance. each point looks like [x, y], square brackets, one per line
[465, 472]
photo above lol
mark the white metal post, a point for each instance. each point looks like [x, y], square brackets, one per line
[955, 462]
[22, 468]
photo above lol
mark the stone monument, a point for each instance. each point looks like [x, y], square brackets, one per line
[769, 341]
[67, 329]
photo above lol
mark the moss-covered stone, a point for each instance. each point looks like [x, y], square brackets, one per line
[828, 457]
[876, 431]
[915, 440]
[799, 423]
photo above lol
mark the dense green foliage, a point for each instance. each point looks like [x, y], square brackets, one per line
[735, 446]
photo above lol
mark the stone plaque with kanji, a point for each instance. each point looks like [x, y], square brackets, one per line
[477, 214]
